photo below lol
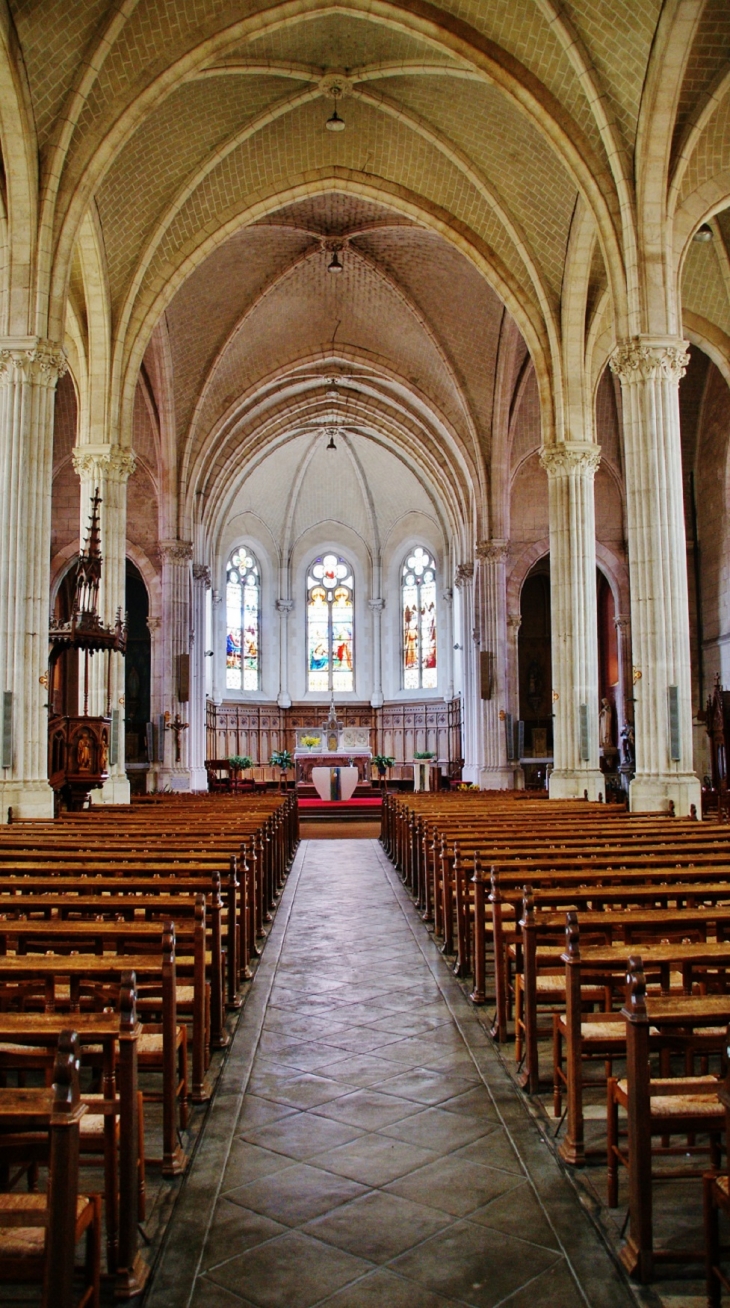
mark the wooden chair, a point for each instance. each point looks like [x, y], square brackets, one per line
[39, 1232]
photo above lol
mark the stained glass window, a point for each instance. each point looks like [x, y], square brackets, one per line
[418, 608]
[243, 621]
[330, 620]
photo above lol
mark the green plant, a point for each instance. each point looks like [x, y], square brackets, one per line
[240, 761]
[382, 762]
[423, 753]
[281, 758]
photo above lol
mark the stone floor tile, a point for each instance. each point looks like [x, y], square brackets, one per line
[234, 1230]
[257, 1112]
[364, 1040]
[479, 1266]
[208, 1295]
[297, 1194]
[374, 1160]
[382, 1289]
[408, 1023]
[303, 1134]
[369, 1109]
[433, 1128]
[517, 1212]
[454, 1186]
[301, 1091]
[357, 1069]
[556, 1288]
[428, 1087]
[247, 1162]
[377, 1226]
[494, 1150]
[293, 1271]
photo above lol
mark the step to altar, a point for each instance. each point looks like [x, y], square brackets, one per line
[358, 809]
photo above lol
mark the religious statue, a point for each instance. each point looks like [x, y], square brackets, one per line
[605, 725]
[627, 744]
[83, 754]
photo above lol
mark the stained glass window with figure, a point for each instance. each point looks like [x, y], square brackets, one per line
[330, 625]
[418, 609]
[243, 621]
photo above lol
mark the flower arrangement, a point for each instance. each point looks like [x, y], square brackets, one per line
[423, 753]
[241, 762]
[281, 758]
[311, 741]
[467, 785]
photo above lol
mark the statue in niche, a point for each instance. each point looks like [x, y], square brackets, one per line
[605, 725]
[627, 745]
[83, 753]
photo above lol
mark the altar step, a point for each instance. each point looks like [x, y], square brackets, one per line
[363, 790]
[358, 809]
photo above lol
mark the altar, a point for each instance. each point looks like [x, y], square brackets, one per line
[332, 746]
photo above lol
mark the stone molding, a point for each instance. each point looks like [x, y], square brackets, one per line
[464, 573]
[492, 551]
[110, 462]
[32, 359]
[175, 551]
[284, 605]
[376, 605]
[565, 457]
[646, 358]
[201, 572]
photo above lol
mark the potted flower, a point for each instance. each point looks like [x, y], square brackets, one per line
[423, 753]
[382, 762]
[311, 742]
[281, 758]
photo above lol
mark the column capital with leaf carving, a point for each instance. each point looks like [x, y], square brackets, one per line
[492, 551]
[201, 572]
[110, 462]
[463, 574]
[566, 457]
[30, 358]
[284, 605]
[376, 605]
[647, 358]
[175, 551]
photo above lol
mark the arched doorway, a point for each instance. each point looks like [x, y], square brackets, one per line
[137, 670]
[535, 676]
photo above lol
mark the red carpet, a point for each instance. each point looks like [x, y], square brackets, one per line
[324, 804]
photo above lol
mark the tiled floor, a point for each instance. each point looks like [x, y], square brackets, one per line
[365, 1147]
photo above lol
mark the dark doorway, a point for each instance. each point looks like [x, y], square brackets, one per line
[535, 670]
[608, 678]
[137, 668]
[63, 692]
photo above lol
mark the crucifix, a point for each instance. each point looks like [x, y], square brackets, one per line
[177, 726]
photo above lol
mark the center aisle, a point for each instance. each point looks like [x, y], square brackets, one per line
[365, 1148]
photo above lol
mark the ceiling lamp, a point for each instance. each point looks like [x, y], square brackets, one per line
[703, 234]
[334, 122]
[331, 445]
[334, 265]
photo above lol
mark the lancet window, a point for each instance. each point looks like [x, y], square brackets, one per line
[330, 625]
[243, 620]
[418, 611]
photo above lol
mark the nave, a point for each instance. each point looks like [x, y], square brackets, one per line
[365, 1145]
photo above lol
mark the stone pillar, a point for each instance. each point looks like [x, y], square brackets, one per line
[29, 370]
[464, 579]
[571, 467]
[284, 608]
[108, 468]
[495, 772]
[448, 662]
[201, 586]
[219, 644]
[176, 556]
[625, 706]
[376, 607]
[649, 369]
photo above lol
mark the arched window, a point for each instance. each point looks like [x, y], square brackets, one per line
[243, 621]
[330, 620]
[418, 609]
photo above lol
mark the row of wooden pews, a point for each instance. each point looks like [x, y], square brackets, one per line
[138, 926]
[607, 937]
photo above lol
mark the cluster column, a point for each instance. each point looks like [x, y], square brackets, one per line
[201, 586]
[376, 607]
[176, 557]
[108, 469]
[284, 608]
[649, 369]
[571, 467]
[29, 370]
[495, 771]
[464, 581]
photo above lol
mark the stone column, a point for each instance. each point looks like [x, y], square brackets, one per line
[649, 369]
[176, 556]
[448, 598]
[571, 467]
[376, 607]
[514, 622]
[495, 772]
[201, 586]
[284, 608]
[29, 370]
[108, 468]
[464, 579]
[625, 705]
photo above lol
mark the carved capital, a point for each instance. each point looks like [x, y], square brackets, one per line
[621, 622]
[514, 622]
[447, 596]
[376, 605]
[284, 606]
[201, 572]
[492, 551]
[464, 573]
[31, 359]
[99, 463]
[175, 551]
[570, 456]
[647, 358]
